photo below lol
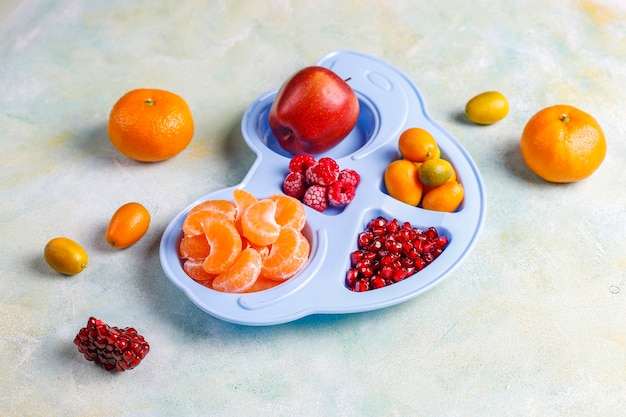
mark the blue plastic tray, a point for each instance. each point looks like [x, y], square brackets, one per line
[389, 103]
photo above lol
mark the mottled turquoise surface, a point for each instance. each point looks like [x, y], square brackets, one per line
[532, 324]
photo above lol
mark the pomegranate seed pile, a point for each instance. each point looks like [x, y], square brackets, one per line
[389, 252]
[112, 348]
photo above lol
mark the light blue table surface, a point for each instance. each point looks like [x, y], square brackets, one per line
[533, 323]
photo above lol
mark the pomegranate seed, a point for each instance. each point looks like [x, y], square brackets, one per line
[369, 256]
[377, 223]
[365, 270]
[419, 263]
[412, 253]
[361, 285]
[429, 247]
[377, 282]
[387, 260]
[386, 272]
[393, 226]
[351, 278]
[356, 256]
[379, 231]
[375, 246]
[407, 262]
[365, 238]
[389, 251]
[398, 274]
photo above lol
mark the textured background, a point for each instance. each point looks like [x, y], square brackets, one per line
[532, 324]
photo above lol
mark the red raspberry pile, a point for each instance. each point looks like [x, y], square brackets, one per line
[112, 348]
[320, 184]
[389, 252]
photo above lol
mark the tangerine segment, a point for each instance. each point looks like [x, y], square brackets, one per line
[225, 243]
[263, 250]
[262, 284]
[194, 247]
[195, 270]
[225, 207]
[258, 224]
[289, 211]
[193, 222]
[243, 200]
[242, 274]
[287, 255]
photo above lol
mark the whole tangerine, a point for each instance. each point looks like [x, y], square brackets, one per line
[150, 125]
[563, 144]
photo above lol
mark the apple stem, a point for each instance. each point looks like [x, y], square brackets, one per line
[348, 79]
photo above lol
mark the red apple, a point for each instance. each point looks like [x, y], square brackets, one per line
[314, 110]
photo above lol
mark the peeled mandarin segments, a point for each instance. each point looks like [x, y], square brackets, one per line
[194, 247]
[225, 243]
[194, 268]
[289, 211]
[446, 197]
[232, 241]
[258, 224]
[193, 222]
[225, 207]
[242, 274]
[288, 255]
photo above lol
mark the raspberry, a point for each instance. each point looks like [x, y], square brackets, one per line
[112, 348]
[316, 197]
[341, 193]
[350, 176]
[295, 185]
[323, 172]
[300, 163]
